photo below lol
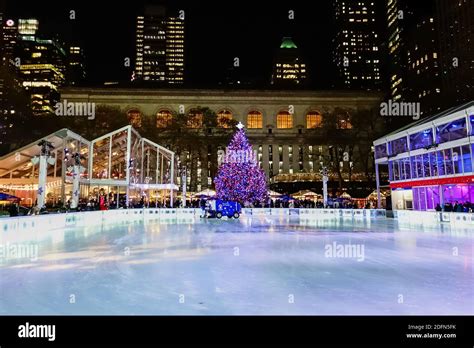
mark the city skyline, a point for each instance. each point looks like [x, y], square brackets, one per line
[107, 44]
[236, 159]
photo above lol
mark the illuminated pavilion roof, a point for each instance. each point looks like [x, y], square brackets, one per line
[119, 158]
[18, 161]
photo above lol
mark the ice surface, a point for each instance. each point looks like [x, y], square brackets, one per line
[254, 265]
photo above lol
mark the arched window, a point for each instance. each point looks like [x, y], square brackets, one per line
[134, 117]
[284, 120]
[223, 118]
[195, 118]
[344, 122]
[314, 120]
[254, 120]
[164, 118]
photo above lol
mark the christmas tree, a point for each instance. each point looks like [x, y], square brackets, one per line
[239, 178]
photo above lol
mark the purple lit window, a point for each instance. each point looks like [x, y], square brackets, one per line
[448, 162]
[421, 139]
[432, 197]
[407, 171]
[458, 193]
[419, 166]
[457, 160]
[416, 199]
[434, 164]
[440, 158]
[413, 167]
[398, 146]
[466, 159]
[381, 151]
[426, 198]
[396, 171]
[472, 156]
[426, 165]
[472, 124]
[451, 131]
[422, 198]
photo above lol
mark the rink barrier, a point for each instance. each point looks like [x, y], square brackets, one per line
[269, 211]
[319, 213]
[12, 226]
[35, 227]
[434, 218]
[362, 214]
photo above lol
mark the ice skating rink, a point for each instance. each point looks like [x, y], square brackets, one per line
[257, 265]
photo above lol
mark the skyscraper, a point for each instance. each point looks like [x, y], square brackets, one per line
[289, 67]
[357, 51]
[2, 14]
[174, 50]
[27, 28]
[11, 104]
[76, 72]
[43, 67]
[9, 40]
[159, 47]
[3, 118]
[456, 31]
[423, 75]
[403, 17]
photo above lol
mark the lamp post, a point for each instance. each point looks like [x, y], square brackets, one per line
[44, 159]
[183, 183]
[325, 173]
[77, 170]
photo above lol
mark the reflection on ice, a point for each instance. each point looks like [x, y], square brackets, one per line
[256, 265]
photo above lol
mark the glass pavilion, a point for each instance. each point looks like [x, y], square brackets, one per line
[430, 161]
[122, 165]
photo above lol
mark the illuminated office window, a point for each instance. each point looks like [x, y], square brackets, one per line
[284, 120]
[344, 122]
[314, 120]
[223, 118]
[254, 120]
[195, 118]
[134, 117]
[163, 118]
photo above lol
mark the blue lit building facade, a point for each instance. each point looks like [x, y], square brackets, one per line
[430, 162]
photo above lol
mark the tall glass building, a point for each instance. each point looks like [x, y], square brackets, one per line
[357, 51]
[430, 161]
[159, 47]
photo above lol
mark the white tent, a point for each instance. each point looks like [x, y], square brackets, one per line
[307, 194]
[206, 192]
[345, 195]
[274, 194]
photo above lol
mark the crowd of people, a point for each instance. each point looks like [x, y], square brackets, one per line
[457, 207]
[280, 203]
[104, 202]
[107, 202]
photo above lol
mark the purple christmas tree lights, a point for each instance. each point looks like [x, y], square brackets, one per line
[239, 177]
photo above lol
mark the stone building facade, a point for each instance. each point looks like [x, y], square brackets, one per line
[282, 125]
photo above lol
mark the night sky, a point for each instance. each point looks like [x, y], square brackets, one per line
[216, 32]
